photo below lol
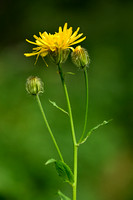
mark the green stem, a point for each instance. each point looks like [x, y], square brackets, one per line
[75, 172]
[48, 127]
[73, 132]
[87, 100]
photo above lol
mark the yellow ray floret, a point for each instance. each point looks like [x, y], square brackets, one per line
[63, 39]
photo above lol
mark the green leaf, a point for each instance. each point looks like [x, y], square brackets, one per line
[64, 172]
[55, 105]
[70, 73]
[62, 196]
[93, 129]
[50, 161]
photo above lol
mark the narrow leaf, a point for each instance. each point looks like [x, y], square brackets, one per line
[54, 104]
[62, 196]
[64, 172]
[71, 73]
[93, 129]
[50, 161]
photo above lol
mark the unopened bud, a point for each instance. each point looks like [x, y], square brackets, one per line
[34, 85]
[80, 57]
[59, 56]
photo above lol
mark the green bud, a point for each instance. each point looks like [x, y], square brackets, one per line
[59, 56]
[80, 57]
[34, 85]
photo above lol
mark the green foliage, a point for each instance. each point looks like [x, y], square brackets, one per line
[70, 73]
[55, 105]
[63, 170]
[62, 196]
[50, 161]
[93, 129]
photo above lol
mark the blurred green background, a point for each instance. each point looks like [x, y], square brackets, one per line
[105, 169]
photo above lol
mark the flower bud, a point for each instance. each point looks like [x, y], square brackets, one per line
[34, 85]
[80, 57]
[59, 56]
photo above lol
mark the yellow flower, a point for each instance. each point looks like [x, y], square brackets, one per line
[57, 42]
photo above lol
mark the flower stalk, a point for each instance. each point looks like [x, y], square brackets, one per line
[75, 146]
[87, 102]
[48, 127]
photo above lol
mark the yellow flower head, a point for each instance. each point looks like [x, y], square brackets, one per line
[62, 40]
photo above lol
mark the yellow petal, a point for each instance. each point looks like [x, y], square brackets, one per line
[31, 54]
[65, 27]
[70, 32]
[75, 33]
[35, 37]
[71, 48]
[75, 38]
[46, 36]
[38, 39]
[31, 42]
[39, 43]
[60, 29]
[78, 41]
[37, 48]
[40, 34]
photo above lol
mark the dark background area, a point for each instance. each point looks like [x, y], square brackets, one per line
[105, 169]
